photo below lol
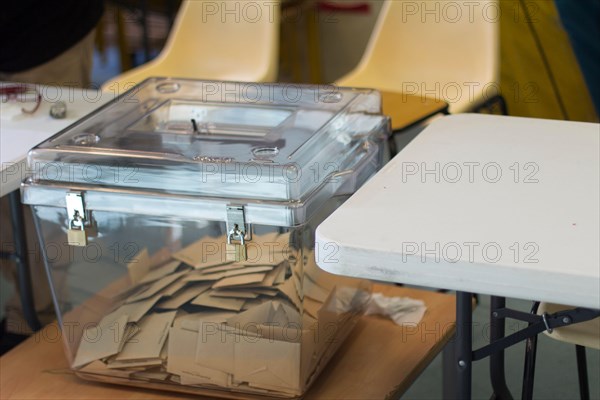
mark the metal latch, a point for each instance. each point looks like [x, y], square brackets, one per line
[78, 220]
[237, 230]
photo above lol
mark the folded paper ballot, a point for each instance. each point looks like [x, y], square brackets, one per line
[160, 272]
[156, 287]
[137, 310]
[103, 340]
[222, 303]
[239, 294]
[260, 325]
[184, 296]
[206, 252]
[153, 332]
[240, 280]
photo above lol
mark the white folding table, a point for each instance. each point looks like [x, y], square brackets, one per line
[503, 206]
[19, 132]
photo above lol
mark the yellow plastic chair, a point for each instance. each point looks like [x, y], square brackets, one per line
[586, 334]
[582, 335]
[236, 40]
[438, 49]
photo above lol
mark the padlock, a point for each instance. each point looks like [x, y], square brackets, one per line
[233, 251]
[76, 237]
[236, 252]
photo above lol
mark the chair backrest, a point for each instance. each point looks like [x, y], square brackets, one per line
[226, 35]
[435, 48]
[220, 40]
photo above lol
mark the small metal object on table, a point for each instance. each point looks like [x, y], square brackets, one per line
[58, 110]
[482, 204]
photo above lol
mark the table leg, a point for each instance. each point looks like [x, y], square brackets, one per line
[449, 370]
[20, 257]
[464, 336]
[529, 367]
[497, 330]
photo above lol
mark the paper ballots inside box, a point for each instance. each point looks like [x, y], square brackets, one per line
[215, 346]
[156, 287]
[240, 294]
[103, 340]
[206, 300]
[161, 271]
[267, 362]
[149, 341]
[249, 359]
[181, 360]
[204, 253]
[137, 310]
[139, 267]
[99, 368]
[183, 296]
[313, 290]
[268, 249]
[240, 280]
[150, 362]
[272, 313]
[257, 340]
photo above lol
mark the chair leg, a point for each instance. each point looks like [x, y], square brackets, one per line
[529, 368]
[584, 388]
[392, 146]
[502, 103]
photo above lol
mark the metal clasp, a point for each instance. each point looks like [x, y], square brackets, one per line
[78, 220]
[236, 230]
[236, 225]
[75, 210]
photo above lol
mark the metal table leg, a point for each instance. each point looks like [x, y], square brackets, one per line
[584, 386]
[529, 366]
[537, 324]
[463, 349]
[449, 371]
[497, 329]
[20, 257]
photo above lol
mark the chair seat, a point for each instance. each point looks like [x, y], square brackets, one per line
[585, 334]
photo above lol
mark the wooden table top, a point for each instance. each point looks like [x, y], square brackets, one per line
[406, 110]
[378, 360]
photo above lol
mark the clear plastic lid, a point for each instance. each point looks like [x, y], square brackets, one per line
[229, 140]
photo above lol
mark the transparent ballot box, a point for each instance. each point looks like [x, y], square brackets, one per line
[177, 228]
